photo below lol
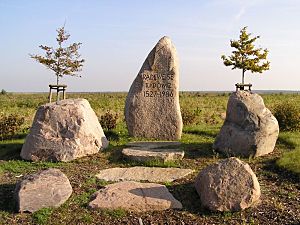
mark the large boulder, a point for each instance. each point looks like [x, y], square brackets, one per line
[229, 185]
[47, 188]
[63, 131]
[152, 107]
[134, 196]
[249, 129]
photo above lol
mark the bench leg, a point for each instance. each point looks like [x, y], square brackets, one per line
[50, 95]
[57, 95]
[64, 94]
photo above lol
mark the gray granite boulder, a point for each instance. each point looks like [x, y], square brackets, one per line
[152, 107]
[134, 196]
[47, 188]
[249, 129]
[63, 131]
[229, 185]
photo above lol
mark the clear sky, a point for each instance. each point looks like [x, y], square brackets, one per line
[117, 35]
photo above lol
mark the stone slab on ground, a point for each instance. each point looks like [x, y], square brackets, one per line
[139, 173]
[153, 144]
[158, 154]
[47, 188]
[228, 185]
[134, 196]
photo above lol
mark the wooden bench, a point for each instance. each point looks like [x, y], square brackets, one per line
[58, 88]
[242, 86]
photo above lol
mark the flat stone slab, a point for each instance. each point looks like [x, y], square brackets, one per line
[134, 196]
[159, 154]
[139, 173]
[153, 144]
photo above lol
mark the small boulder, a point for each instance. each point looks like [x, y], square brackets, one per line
[229, 185]
[152, 107]
[63, 131]
[249, 129]
[47, 188]
[134, 196]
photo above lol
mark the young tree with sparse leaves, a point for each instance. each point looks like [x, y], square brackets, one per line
[62, 60]
[245, 56]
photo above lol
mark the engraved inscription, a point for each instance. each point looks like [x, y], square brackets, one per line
[157, 85]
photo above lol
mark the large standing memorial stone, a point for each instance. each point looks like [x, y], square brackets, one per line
[152, 107]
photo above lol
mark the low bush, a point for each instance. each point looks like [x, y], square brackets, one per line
[188, 117]
[288, 116]
[108, 121]
[10, 125]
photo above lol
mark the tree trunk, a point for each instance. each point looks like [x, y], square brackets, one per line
[243, 77]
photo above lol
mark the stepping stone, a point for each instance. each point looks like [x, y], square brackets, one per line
[153, 144]
[146, 155]
[139, 173]
[134, 196]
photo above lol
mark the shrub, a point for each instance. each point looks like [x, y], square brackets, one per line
[108, 121]
[188, 117]
[288, 116]
[10, 126]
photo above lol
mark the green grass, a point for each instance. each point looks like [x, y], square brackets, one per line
[42, 216]
[116, 214]
[197, 140]
[290, 159]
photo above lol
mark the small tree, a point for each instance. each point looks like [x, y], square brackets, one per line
[62, 60]
[246, 56]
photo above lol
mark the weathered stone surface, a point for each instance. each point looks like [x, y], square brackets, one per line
[249, 128]
[153, 144]
[229, 185]
[152, 105]
[134, 196]
[48, 188]
[156, 154]
[138, 173]
[63, 131]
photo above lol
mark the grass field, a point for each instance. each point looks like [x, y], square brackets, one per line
[278, 173]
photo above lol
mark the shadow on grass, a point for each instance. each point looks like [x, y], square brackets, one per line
[116, 155]
[287, 143]
[112, 135]
[7, 200]
[198, 150]
[282, 175]
[9, 151]
[188, 196]
[209, 134]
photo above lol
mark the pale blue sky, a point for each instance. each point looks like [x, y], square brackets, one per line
[117, 35]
